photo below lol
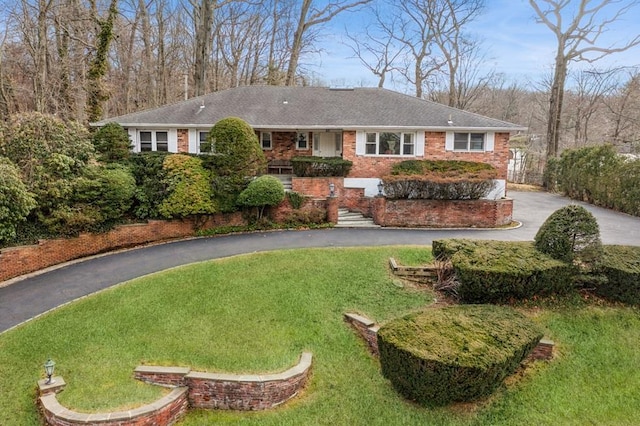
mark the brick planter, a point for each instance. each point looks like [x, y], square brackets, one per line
[191, 389]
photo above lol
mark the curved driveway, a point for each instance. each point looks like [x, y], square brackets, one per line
[31, 296]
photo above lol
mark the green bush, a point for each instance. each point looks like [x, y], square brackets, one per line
[600, 176]
[296, 199]
[112, 143]
[570, 234]
[440, 180]
[151, 190]
[188, 188]
[15, 200]
[307, 217]
[447, 168]
[456, 353]
[264, 191]
[499, 271]
[621, 267]
[237, 150]
[318, 166]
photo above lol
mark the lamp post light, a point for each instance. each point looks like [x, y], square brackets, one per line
[332, 190]
[49, 366]
[380, 188]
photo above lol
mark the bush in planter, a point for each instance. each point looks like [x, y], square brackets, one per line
[320, 166]
[456, 353]
[498, 271]
[440, 180]
[621, 267]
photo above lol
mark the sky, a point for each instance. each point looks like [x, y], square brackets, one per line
[514, 44]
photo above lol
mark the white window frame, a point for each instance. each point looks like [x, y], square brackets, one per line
[487, 144]
[302, 137]
[262, 140]
[199, 142]
[154, 140]
[372, 140]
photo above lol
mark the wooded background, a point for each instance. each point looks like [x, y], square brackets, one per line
[85, 60]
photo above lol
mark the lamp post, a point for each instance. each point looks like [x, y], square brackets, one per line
[49, 366]
[332, 190]
[380, 188]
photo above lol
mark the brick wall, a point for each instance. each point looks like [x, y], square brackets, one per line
[16, 261]
[183, 140]
[190, 390]
[232, 392]
[373, 166]
[284, 147]
[441, 214]
[166, 411]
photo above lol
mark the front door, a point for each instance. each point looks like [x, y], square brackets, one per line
[327, 144]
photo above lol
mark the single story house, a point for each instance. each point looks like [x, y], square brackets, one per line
[372, 127]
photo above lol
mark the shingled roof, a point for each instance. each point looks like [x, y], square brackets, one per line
[275, 107]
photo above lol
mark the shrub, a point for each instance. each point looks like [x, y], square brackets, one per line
[621, 267]
[312, 216]
[599, 175]
[151, 190]
[448, 168]
[188, 187]
[237, 149]
[112, 143]
[15, 200]
[317, 166]
[296, 199]
[440, 180]
[264, 191]
[499, 271]
[570, 234]
[456, 353]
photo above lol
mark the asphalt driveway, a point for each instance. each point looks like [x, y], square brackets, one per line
[27, 297]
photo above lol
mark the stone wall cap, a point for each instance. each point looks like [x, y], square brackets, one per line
[156, 369]
[359, 318]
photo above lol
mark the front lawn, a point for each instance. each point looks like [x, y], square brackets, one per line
[257, 313]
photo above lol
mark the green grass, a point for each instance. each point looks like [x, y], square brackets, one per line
[258, 313]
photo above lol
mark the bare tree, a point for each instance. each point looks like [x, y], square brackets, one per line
[448, 19]
[376, 48]
[623, 106]
[311, 15]
[578, 41]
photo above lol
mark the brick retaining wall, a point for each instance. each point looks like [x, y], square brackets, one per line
[443, 214]
[16, 261]
[191, 389]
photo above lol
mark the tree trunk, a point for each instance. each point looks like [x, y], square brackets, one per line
[555, 106]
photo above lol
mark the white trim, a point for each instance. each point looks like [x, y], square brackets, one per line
[419, 144]
[361, 142]
[448, 143]
[489, 141]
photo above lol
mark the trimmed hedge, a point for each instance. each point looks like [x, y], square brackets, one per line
[456, 353]
[499, 271]
[320, 167]
[600, 176]
[570, 234]
[621, 266]
[440, 180]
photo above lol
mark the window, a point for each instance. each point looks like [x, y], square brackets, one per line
[468, 141]
[162, 141]
[145, 142]
[265, 140]
[154, 141]
[302, 140]
[203, 143]
[390, 143]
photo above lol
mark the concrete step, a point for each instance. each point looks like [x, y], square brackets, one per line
[286, 181]
[347, 219]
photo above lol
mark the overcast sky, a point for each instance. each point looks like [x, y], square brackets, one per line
[514, 43]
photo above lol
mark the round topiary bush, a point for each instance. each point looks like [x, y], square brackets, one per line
[456, 353]
[264, 191]
[570, 234]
